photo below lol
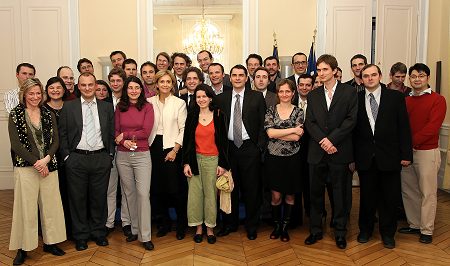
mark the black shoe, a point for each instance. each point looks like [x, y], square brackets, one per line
[180, 234]
[363, 237]
[148, 245]
[313, 238]
[284, 233]
[211, 239]
[127, 230]
[81, 244]
[388, 242]
[226, 231]
[162, 231]
[198, 238]
[131, 238]
[276, 231]
[252, 235]
[341, 242]
[20, 257]
[109, 230]
[409, 230]
[101, 241]
[426, 239]
[54, 250]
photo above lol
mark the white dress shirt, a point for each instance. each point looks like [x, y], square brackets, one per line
[83, 145]
[377, 95]
[245, 135]
[332, 94]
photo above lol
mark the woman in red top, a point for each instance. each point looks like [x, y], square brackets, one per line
[205, 151]
[134, 119]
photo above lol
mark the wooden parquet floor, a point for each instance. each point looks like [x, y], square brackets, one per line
[236, 249]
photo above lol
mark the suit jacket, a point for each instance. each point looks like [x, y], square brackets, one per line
[226, 81]
[253, 113]
[292, 78]
[184, 97]
[295, 98]
[271, 99]
[336, 124]
[174, 119]
[391, 141]
[71, 125]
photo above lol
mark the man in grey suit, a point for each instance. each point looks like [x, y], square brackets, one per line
[261, 81]
[86, 132]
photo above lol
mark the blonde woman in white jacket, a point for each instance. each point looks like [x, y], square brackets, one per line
[169, 186]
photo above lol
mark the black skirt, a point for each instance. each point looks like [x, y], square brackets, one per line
[282, 173]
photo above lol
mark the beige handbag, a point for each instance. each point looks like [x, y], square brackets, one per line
[225, 185]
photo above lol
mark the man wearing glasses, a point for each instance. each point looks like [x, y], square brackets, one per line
[299, 63]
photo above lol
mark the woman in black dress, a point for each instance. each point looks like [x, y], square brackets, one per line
[283, 124]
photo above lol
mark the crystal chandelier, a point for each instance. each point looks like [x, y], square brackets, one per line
[204, 37]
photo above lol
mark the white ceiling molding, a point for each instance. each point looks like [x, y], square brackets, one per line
[191, 10]
[210, 17]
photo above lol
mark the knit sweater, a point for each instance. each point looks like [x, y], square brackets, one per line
[426, 114]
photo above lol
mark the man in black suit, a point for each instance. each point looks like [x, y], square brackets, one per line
[192, 76]
[299, 64]
[330, 119]
[261, 82]
[216, 75]
[245, 110]
[253, 61]
[86, 132]
[382, 145]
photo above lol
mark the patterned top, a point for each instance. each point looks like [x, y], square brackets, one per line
[11, 99]
[280, 147]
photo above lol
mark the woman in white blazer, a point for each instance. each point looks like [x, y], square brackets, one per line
[169, 186]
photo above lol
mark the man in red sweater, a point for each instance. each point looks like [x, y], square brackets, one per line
[426, 110]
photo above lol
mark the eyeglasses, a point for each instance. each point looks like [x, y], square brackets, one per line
[420, 76]
[300, 63]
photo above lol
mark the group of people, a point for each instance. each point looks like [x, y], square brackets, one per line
[163, 139]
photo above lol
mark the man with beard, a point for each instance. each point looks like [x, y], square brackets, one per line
[273, 65]
[148, 71]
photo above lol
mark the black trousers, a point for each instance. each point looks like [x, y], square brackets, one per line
[87, 185]
[338, 175]
[378, 192]
[246, 170]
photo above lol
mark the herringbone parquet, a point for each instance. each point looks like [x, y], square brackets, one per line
[236, 249]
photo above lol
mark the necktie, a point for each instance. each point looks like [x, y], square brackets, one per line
[237, 122]
[373, 106]
[90, 126]
[302, 108]
[180, 84]
[191, 98]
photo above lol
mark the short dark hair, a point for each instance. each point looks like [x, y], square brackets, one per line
[52, 80]
[283, 82]
[209, 93]
[261, 68]
[148, 63]
[124, 102]
[299, 53]
[186, 58]
[339, 69]
[255, 56]
[239, 67]
[358, 56]
[306, 76]
[81, 61]
[217, 64]
[367, 66]
[128, 61]
[193, 69]
[113, 53]
[25, 65]
[419, 67]
[271, 58]
[61, 68]
[203, 51]
[398, 67]
[329, 60]
[117, 71]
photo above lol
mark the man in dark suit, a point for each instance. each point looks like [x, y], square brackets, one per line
[382, 145]
[192, 76]
[261, 82]
[86, 132]
[299, 64]
[245, 110]
[253, 61]
[330, 119]
[216, 75]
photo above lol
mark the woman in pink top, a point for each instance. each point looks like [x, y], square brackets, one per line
[133, 124]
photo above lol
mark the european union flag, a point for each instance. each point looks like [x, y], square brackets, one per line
[312, 61]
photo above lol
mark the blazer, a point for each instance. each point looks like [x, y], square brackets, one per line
[253, 113]
[71, 125]
[391, 142]
[336, 124]
[220, 137]
[271, 99]
[184, 97]
[174, 118]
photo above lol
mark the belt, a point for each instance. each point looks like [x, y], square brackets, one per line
[86, 152]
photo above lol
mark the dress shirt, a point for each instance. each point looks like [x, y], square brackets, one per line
[296, 76]
[264, 92]
[83, 145]
[160, 106]
[377, 95]
[207, 80]
[333, 90]
[115, 101]
[305, 102]
[233, 102]
[189, 98]
[11, 99]
[426, 91]
[219, 91]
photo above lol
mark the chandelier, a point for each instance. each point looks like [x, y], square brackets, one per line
[205, 36]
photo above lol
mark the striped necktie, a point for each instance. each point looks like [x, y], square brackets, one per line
[90, 126]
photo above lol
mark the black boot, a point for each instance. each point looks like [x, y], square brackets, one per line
[286, 219]
[20, 257]
[276, 218]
